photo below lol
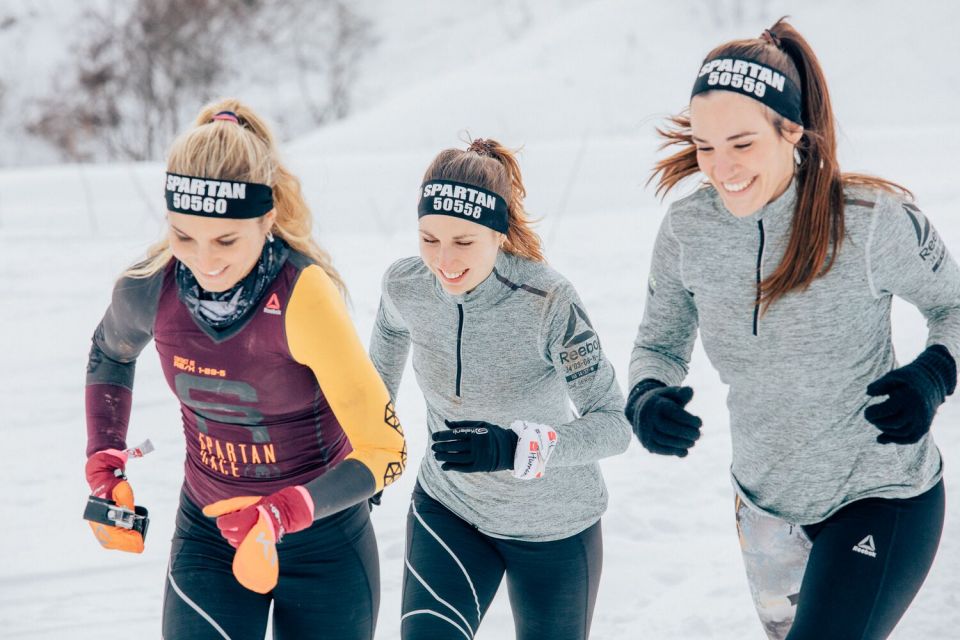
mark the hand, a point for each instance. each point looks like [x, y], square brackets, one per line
[913, 394]
[535, 445]
[105, 475]
[472, 446]
[254, 525]
[659, 419]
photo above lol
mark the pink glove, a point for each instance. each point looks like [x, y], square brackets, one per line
[254, 525]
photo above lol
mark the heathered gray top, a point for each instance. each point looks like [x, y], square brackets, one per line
[798, 374]
[518, 347]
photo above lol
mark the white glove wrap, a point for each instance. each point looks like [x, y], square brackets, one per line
[535, 444]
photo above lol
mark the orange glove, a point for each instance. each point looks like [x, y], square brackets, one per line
[254, 525]
[105, 476]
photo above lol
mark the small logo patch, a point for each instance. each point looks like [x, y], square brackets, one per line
[866, 547]
[273, 305]
[581, 347]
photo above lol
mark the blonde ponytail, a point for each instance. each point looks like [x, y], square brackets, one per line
[245, 151]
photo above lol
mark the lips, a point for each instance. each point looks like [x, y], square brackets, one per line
[737, 187]
[452, 277]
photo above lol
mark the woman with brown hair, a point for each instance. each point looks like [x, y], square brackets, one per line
[501, 346]
[288, 428]
[787, 267]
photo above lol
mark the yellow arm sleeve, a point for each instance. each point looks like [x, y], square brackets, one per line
[320, 335]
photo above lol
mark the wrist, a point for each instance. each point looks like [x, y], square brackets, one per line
[534, 444]
[637, 394]
[940, 368]
[291, 509]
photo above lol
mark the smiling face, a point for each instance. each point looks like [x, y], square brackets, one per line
[739, 150]
[460, 254]
[219, 252]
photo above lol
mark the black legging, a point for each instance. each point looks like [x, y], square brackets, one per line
[866, 564]
[329, 584]
[453, 571]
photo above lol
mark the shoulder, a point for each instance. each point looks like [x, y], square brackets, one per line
[311, 281]
[406, 276]
[692, 212]
[298, 261]
[545, 287]
[869, 210]
[704, 198]
[406, 269]
[137, 291]
[534, 280]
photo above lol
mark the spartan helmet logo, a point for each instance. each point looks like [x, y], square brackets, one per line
[579, 328]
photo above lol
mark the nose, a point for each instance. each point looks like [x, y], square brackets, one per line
[445, 257]
[206, 258]
[724, 165]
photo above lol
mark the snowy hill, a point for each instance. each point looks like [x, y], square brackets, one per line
[580, 87]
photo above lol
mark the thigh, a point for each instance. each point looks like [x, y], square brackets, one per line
[202, 599]
[329, 585]
[553, 585]
[867, 563]
[452, 573]
[775, 555]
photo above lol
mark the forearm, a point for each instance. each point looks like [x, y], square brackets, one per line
[346, 484]
[592, 437]
[108, 399]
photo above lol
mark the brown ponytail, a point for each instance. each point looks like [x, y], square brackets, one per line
[245, 150]
[817, 229]
[488, 164]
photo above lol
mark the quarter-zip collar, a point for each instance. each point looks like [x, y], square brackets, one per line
[488, 292]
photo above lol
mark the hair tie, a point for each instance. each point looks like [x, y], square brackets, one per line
[226, 115]
[771, 37]
[481, 146]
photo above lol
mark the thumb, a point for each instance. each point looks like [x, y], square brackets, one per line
[122, 494]
[681, 395]
[222, 507]
[883, 386]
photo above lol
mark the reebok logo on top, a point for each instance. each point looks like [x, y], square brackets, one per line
[273, 305]
[866, 547]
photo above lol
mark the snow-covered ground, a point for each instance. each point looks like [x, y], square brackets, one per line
[581, 91]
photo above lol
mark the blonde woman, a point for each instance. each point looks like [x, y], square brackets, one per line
[288, 428]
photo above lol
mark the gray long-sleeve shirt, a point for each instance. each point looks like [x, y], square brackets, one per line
[519, 346]
[798, 374]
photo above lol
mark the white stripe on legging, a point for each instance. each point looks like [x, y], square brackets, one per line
[437, 597]
[439, 615]
[196, 607]
[466, 575]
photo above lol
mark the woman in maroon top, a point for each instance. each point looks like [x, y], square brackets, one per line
[289, 430]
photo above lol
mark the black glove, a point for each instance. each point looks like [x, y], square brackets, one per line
[914, 392]
[470, 446]
[659, 419]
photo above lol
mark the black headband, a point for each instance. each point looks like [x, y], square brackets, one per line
[217, 198]
[461, 200]
[753, 79]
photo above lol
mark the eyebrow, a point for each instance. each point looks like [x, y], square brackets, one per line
[183, 233]
[460, 237]
[733, 137]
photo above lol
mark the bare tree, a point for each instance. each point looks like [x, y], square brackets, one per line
[137, 78]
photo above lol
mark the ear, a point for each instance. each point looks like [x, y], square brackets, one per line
[791, 132]
[268, 219]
